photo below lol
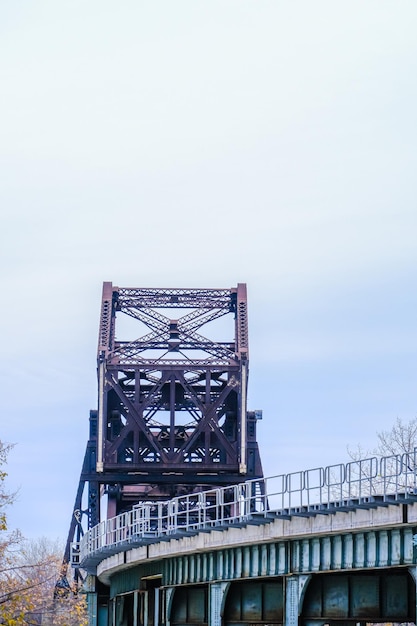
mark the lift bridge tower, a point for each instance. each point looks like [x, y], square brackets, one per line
[172, 415]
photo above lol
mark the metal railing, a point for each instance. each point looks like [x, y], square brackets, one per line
[363, 483]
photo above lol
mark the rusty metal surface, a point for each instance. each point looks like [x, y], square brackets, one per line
[172, 397]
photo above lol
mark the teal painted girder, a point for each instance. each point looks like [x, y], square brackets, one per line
[362, 550]
[340, 552]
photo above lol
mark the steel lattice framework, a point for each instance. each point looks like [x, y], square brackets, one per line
[172, 412]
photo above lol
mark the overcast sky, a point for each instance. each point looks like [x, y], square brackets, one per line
[201, 144]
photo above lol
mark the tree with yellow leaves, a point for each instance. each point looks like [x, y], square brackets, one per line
[29, 571]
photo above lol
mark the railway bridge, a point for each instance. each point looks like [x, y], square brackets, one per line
[174, 522]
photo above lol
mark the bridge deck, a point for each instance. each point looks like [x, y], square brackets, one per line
[366, 484]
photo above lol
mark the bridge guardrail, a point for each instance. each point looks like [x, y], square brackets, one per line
[359, 482]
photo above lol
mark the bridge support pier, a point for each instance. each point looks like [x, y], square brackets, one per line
[169, 593]
[217, 593]
[92, 608]
[413, 574]
[294, 592]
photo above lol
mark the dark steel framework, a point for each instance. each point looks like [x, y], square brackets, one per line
[172, 412]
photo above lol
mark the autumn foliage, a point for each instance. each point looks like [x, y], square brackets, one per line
[29, 571]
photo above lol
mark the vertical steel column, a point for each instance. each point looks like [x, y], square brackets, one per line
[294, 586]
[413, 572]
[100, 418]
[136, 608]
[215, 599]
[92, 609]
[291, 601]
[105, 345]
[243, 414]
[169, 594]
[243, 353]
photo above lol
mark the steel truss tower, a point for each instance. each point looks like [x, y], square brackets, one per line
[172, 412]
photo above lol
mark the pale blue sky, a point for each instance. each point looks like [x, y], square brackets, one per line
[195, 143]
